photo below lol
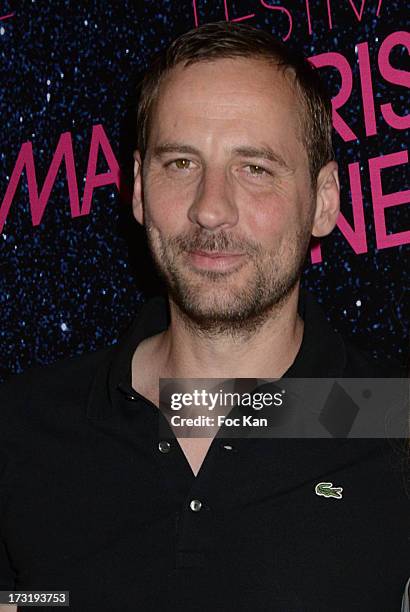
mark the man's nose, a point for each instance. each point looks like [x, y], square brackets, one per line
[214, 205]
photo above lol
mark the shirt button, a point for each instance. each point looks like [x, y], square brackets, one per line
[164, 446]
[132, 398]
[195, 505]
[227, 447]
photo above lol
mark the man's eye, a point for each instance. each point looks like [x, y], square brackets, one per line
[182, 164]
[256, 170]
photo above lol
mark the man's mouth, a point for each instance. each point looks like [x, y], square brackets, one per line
[214, 260]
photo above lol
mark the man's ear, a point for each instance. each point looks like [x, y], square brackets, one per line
[137, 207]
[327, 200]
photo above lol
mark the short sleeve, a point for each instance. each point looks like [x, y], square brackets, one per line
[6, 572]
[7, 575]
[405, 606]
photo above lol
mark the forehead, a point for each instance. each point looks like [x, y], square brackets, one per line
[245, 94]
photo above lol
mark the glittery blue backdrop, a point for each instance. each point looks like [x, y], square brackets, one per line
[71, 285]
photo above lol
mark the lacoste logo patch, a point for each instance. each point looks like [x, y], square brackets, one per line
[326, 489]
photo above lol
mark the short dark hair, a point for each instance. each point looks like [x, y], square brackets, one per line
[213, 41]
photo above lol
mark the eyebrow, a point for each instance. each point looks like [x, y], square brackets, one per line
[244, 151]
[262, 153]
[174, 147]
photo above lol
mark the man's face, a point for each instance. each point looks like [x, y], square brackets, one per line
[226, 194]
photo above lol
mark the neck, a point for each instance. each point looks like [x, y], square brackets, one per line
[265, 350]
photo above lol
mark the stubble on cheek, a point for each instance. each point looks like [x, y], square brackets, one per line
[237, 302]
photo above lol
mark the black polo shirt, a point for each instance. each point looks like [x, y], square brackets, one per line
[93, 502]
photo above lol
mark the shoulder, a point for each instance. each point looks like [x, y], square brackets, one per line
[41, 387]
[360, 363]
[327, 353]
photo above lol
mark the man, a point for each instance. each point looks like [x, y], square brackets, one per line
[233, 175]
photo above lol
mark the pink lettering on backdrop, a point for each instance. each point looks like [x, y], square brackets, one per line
[266, 5]
[195, 13]
[93, 180]
[271, 6]
[226, 11]
[358, 15]
[308, 17]
[356, 237]
[379, 6]
[64, 151]
[236, 18]
[3, 17]
[329, 14]
[286, 12]
[38, 202]
[382, 201]
[367, 89]
[337, 60]
[395, 76]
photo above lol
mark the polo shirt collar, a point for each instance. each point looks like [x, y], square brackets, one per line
[115, 373]
[321, 354]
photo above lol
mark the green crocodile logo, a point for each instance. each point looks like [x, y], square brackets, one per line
[326, 489]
